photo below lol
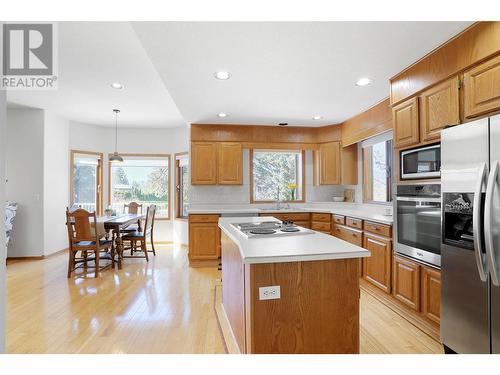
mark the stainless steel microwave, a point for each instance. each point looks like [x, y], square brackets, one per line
[422, 162]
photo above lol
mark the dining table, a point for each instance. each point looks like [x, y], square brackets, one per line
[116, 224]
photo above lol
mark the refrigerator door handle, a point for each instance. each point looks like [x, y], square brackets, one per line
[488, 212]
[476, 225]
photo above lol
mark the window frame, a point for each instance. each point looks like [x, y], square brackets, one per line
[303, 184]
[99, 188]
[159, 156]
[367, 177]
[177, 195]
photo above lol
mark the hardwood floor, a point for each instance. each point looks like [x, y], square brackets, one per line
[158, 307]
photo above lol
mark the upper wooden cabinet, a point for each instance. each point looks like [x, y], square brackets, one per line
[405, 123]
[439, 106]
[349, 165]
[329, 163]
[216, 163]
[406, 285]
[482, 88]
[230, 164]
[203, 163]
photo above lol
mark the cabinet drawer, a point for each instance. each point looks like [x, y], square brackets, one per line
[320, 226]
[203, 218]
[316, 216]
[377, 228]
[347, 234]
[296, 216]
[305, 224]
[353, 222]
[339, 219]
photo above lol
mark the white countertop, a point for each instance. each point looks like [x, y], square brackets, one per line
[360, 211]
[295, 248]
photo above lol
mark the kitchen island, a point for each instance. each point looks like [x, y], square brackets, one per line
[290, 294]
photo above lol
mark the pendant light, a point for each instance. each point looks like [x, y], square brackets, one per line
[116, 158]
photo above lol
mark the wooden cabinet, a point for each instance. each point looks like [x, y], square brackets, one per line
[353, 236]
[338, 219]
[203, 163]
[204, 237]
[349, 165]
[439, 106]
[230, 163]
[377, 228]
[216, 163]
[406, 284]
[377, 267]
[354, 223]
[482, 88]
[329, 163]
[431, 293]
[405, 123]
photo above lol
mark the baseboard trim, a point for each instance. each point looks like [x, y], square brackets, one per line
[224, 325]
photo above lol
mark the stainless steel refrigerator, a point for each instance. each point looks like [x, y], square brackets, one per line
[470, 250]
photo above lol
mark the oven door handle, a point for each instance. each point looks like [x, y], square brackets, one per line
[488, 218]
[476, 224]
[413, 199]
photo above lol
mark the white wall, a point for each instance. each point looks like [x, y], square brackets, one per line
[24, 173]
[86, 137]
[3, 131]
[56, 182]
[202, 195]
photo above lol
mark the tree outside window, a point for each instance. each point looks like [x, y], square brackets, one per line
[144, 180]
[277, 171]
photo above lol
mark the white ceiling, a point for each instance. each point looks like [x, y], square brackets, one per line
[284, 72]
[92, 55]
[281, 72]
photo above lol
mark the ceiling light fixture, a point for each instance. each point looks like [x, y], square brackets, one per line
[363, 81]
[222, 114]
[222, 75]
[116, 158]
[117, 85]
[317, 117]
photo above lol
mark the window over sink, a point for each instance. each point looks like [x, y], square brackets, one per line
[277, 174]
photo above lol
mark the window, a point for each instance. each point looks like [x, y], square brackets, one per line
[86, 180]
[377, 167]
[277, 174]
[181, 185]
[142, 179]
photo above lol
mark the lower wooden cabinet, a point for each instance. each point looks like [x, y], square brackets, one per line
[431, 293]
[204, 237]
[406, 285]
[377, 267]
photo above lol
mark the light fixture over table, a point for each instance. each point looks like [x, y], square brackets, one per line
[116, 158]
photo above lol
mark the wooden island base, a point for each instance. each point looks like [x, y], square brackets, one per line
[317, 312]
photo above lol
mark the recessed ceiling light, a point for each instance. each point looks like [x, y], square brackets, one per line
[317, 117]
[117, 85]
[222, 114]
[222, 75]
[363, 81]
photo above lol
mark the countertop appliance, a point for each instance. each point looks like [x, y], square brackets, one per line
[417, 224]
[470, 250]
[422, 162]
[270, 229]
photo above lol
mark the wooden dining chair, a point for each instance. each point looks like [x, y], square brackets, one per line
[85, 239]
[140, 238]
[132, 208]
